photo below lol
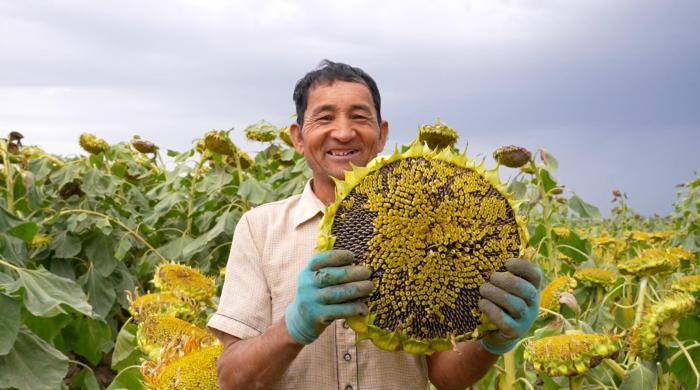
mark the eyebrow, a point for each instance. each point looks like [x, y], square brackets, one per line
[362, 107]
[330, 107]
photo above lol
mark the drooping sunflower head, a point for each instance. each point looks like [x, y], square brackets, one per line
[662, 235]
[571, 354]
[549, 298]
[241, 159]
[219, 142]
[92, 144]
[689, 284]
[164, 303]
[143, 146]
[681, 253]
[194, 370]
[597, 276]
[604, 240]
[157, 332]
[561, 231]
[431, 227]
[638, 235]
[184, 281]
[650, 262]
[437, 135]
[261, 131]
[660, 323]
[512, 156]
[40, 241]
[286, 136]
[71, 188]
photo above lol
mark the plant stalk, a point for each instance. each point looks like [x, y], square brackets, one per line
[9, 185]
[190, 202]
[509, 365]
[546, 221]
[640, 300]
[616, 368]
[575, 382]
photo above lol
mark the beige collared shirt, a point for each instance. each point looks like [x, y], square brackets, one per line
[271, 245]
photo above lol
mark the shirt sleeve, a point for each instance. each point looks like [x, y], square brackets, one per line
[245, 308]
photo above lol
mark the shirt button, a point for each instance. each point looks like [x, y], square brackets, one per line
[345, 324]
[347, 358]
[348, 387]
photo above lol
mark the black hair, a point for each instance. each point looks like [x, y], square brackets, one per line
[326, 73]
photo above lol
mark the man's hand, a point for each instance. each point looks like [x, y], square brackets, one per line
[511, 300]
[328, 289]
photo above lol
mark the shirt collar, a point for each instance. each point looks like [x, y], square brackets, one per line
[309, 206]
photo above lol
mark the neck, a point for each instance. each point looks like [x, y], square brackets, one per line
[324, 188]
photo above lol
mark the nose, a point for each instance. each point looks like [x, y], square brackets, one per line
[343, 131]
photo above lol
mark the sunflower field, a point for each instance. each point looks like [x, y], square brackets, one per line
[111, 263]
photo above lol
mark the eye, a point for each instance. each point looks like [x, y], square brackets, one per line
[325, 118]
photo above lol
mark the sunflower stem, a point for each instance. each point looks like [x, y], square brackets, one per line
[575, 382]
[509, 364]
[9, 185]
[640, 300]
[552, 258]
[190, 202]
[616, 368]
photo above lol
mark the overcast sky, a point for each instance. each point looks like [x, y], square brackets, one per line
[611, 88]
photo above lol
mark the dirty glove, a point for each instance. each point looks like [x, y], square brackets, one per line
[511, 301]
[327, 289]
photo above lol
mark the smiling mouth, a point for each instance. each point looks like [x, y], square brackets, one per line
[341, 153]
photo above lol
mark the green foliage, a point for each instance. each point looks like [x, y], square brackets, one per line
[18, 368]
[76, 233]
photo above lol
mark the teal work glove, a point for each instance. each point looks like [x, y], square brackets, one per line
[511, 301]
[327, 289]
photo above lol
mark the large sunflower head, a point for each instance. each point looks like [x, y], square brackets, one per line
[157, 332]
[660, 323]
[184, 281]
[194, 370]
[649, 262]
[432, 227]
[681, 253]
[596, 276]
[689, 284]
[165, 303]
[571, 354]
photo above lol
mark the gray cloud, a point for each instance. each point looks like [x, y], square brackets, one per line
[612, 89]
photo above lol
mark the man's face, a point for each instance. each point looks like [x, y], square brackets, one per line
[340, 127]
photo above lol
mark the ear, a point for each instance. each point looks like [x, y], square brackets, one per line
[295, 132]
[383, 135]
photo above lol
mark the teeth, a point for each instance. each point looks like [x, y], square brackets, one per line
[334, 153]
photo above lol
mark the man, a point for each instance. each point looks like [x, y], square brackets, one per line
[281, 310]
